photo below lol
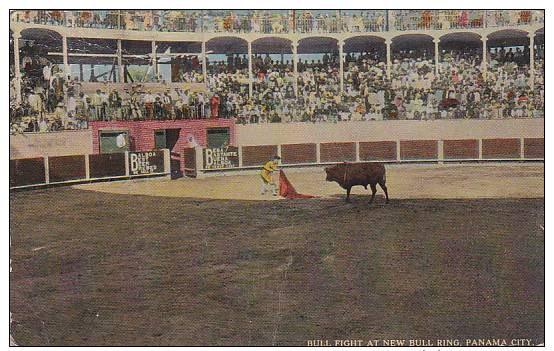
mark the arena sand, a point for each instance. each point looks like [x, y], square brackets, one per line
[102, 268]
[436, 181]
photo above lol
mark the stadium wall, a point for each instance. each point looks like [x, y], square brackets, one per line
[32, 145]
[369, 131]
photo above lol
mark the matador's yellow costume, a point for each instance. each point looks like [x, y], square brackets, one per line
[267, 176]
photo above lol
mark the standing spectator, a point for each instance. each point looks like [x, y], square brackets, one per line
[214, 102]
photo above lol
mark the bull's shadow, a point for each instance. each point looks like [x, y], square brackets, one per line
[356, 199]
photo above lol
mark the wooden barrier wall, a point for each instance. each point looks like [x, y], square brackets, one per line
[62, 169]
[461, 149]
[501, 148]
[378, 151]
[298, 153]
[189, 162]
[418, 149]
[253, 156]
[257, 155]
[27, 171]
[533, 148]
[338, 152]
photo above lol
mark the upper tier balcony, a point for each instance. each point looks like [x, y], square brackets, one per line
[281, 21]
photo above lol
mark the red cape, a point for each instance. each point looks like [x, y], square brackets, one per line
[286, 189]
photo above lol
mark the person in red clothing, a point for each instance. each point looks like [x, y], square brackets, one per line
[214, 103]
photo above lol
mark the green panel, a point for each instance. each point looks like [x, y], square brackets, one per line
[109, 144]
[217, 137]
[160, 139]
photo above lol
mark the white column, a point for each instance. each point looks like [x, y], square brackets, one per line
[484, 61]
[17, 62]
[65, 57]
[120, 62]
[532, 59]
[65, 65]
[46, 170]
[389, 66]
[204, 68]
[390, 17]
[436, 41]
[341, 65]
[250, 75]
[87, 166]
[295, 66]
[154, 58]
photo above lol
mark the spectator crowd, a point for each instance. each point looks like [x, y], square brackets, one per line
[52, 100]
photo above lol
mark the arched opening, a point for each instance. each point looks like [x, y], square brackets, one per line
[227, 70]
[460, 58]
[273, 86]
[318, 77]
[364, 73]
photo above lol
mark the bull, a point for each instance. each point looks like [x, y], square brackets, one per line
[348, 175]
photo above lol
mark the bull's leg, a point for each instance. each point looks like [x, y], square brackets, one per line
[384, 187]
[348, 194]
[373, 191]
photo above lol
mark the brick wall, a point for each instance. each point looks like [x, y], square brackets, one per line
[142, 137]
[142, 132]
[257, 155]
[378, 151]
[418, 149]
[460, 149]
[298, 153]
[533, 147]
[501, 148]
[337, 152]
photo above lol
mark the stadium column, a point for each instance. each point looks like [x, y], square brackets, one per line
[341, 65]
[250, 78]
[65, 58]
[154, 59]
[484, 59]
[16, 37]
[436, 41]
[204, 68]
[388, 42]
[531, 59]
[294, 46]
[120, 62]
[65, 65]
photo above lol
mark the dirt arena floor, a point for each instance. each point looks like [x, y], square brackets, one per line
[458, 253]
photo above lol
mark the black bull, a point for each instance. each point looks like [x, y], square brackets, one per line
[348, 175]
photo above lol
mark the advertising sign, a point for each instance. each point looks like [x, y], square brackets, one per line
[221, 157]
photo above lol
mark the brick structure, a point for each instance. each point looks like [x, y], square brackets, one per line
[141, 134]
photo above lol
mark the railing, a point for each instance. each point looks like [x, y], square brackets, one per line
[277, 22]
[57, 170]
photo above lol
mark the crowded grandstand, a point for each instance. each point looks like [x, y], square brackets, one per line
[68, 68]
